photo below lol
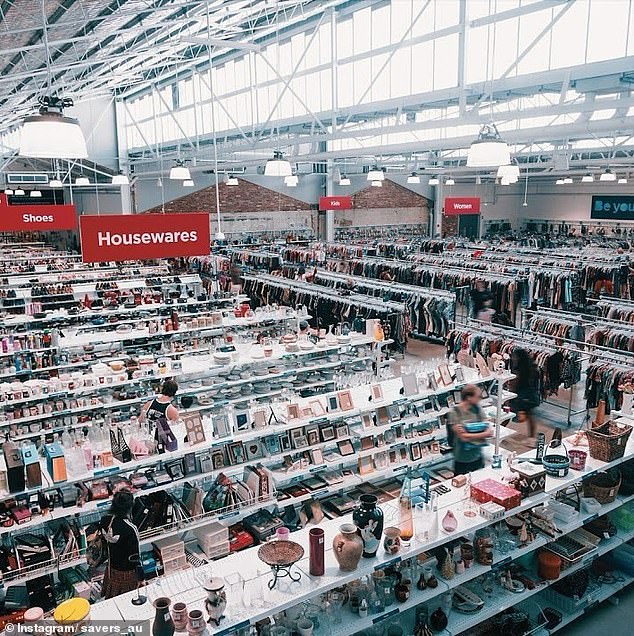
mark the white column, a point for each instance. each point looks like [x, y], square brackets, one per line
[438, 203]
[330, 214]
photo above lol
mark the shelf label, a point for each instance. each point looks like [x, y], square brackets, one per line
[504, 561]
[387, 564]
[592, 517]
[398, 469]
[233, 629]
[316, 469]
[103, 504]
[385, 616]
[106, 471]
[321, 493]
[228, 515]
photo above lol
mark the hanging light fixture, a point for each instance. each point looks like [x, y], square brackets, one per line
[608, 175]
[180, 172]
[8, 192]
[510, 172]
[82, 181]
[220, 236]
[567, 180]
[488, 150]
[344, 181]
[19, 192]
[434, 181]
[50, 134]
[120, 179]
[376, 184]
[55, 183]
[278, 166]
[231, 180]
[413, 178]
[291, 181]
[374, 174]
[449, 181]
[559, 182]
[35, 194]
[622, 180]
[188, 183]
[587, 178]
[506, 181]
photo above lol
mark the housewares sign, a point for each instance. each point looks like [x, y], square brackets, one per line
[143, 236]
[612, 208]
[335, 203]
[462, 205]
[29, 217]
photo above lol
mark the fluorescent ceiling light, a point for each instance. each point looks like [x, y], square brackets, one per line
[413, 178]
[188, 183]
[510, 171]
[19, 192]
[278, 166]
[51, 135]
[374, 174]
[567, 180]
[82, 181]
[120, 179]
[35, 194]
[180, 172]
[8, 192]
[376, 184]
[559, 182]
[488, 150]
[344, 181]
[56, 183]
[231, 180]
[291, 181]
[608, 175]
[450, 182]
[587, 178]
[622, 180]
[434, 181]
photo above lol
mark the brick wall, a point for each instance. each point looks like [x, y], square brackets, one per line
[390, 195]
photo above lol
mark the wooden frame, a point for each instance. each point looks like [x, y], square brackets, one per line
[445, 374]
[194, 427]
[345, 447]
[237, 454]
[328, 432]
[345, 400]
[318, 408]
[366, 465]
[292, 412]
[377, 392]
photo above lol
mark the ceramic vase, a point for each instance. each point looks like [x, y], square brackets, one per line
[438, 620]
[179, 616]
[316, 551]
[368, 518]
[163, 624]
[347, 547]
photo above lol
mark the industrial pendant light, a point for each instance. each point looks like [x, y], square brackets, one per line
[567, 180]
[19, 192]
[55, 183]
[622, 180]
[559, 182]
[413, 178]
[449, 181]
[510, 172]
[82, 181]
[8, 192]
[374, 174]
[376, 184]
[231, 180]
[608, 175]
[180, 172]
[51, 134]
[344, 181]
[120, 179]
[35, 194]
[434, 181]
[278, 166]
[488, 150]
[188, 183]
[291, 181]
[587, 178]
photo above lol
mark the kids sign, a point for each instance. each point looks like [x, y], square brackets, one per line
[335, 203]
[143, 236]
[29, 217]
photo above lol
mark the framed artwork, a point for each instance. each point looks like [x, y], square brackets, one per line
[382, 416]
[435, 447]
[236, 453]
[345, 400]
[483, 367]
[345, 447]
[450, 400]
[377, 392]
[342, 431]
[285, 442]
[428, 406]
[243, 419]
[221, 425]
[295, 433]
[459, 375]
[393, 456]
[457, 397]
[366, 465]
[194, 427]
[307, 411]
[292, 411]
[316, 456]
[445, 375]
[318, 408]
[394, 412]
[381, 461]
[272, 445]
[402, 451]
[300, 441]
[389, 436]
[367, 421]
[431, 378]
[380, 440]
[328, 433]
[415, 452]
[218, 458]
[312, 435]
[333, 403]
[410, 384]
[260, 417]
[367, 443]
[253, 449]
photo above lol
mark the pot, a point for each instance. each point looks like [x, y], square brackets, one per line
[347, 547]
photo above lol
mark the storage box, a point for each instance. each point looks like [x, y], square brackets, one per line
[492, 511]
[491, 490]
[55, 462]
[169, 548]
[532, 478]
[175, 565]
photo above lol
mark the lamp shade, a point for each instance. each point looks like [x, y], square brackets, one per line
[413, 178]
[231, 180]
[622, 180]
[188, 183]
[608, 175]
[587, 178]
[278, 166]
[450, 182]
[120, 179]
[559, 182]
[488, 150]
[19, 192]
[51, 135]
[56, 183]
[433, 181]
[82, 181]
[375, 174]
[344, 181]
[179, 172]
[376, 184]
[291, 181]
[505, 181]
[35, 194]
[8, 192]
[567, 180]
[510, 171]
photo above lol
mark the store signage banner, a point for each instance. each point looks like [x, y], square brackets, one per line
[143, 236]
[612, 208]
[335, 203]
[24, 218]
[462, 205]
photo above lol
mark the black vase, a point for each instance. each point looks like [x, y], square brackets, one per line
[368, 518]
[438, 620]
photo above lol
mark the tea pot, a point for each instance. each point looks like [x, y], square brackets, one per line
[216, 601]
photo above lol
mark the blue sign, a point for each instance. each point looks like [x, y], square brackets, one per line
[612, 208]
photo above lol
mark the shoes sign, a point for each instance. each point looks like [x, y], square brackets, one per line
[143, 236]
[462, 205]
[25, 217]
[335, 203]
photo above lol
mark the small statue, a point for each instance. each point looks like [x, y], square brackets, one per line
[216, 601]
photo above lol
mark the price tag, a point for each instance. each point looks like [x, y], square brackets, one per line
[385, 616]
[592, 517]
[319, 421]
[103, 504]
[399, 469]
[321, 493]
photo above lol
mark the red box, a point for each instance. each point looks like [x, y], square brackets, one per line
[491, 490]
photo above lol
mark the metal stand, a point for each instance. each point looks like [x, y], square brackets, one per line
[282, 571]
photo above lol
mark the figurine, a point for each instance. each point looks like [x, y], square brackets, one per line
[216, 601]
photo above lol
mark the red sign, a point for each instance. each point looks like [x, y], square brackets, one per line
[21, 218]
[462, 205]
[335, 203]
[143, 236]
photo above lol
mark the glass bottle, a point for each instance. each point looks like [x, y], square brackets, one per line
[406, 512]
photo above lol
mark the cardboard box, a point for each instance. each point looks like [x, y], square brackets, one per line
[499, 493]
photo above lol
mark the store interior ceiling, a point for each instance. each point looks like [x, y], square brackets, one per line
[565, 107]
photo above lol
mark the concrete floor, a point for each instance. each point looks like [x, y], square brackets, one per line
[606, 619]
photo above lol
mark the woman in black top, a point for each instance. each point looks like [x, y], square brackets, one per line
[161, 406]
[526, 385]
[122, 539]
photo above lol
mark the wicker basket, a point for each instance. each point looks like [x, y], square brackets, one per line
[604, 487]
[608, 441]
[555, 464]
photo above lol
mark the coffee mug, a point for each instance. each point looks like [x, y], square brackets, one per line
[305, 627]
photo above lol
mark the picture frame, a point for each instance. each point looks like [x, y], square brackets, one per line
[377, 392]
[327, 433]
[367, 443]
[382, 416]
[457, 396]
[410, 384]
[316, 456]
[318, 408]
[312, 435]
[333, 403]
[381, 461]
[394, 412]
[253, 449]
[483, 367]
[292, 412]
[367, 422]
[402, 451]
[217, 458]
[415, 452]
[345, 400]
[307, 411]
[342, 431]
[393, 456]
[296, 433]
[445, 375]
[365, 465]
[285, 442]
[260, 418]
[389, 436]
[300, 441]
[345, 447]
[236, 452]
[450, 400]
[459, 375]
[242, 419]
[431, 379]
[221, 425]
[273, 445]
[194, 427]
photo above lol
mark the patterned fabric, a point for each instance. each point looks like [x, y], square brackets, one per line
[116, 582]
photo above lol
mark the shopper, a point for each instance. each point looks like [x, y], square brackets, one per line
[162, 406]
[122, 539]
[526, 385]
[467, 447]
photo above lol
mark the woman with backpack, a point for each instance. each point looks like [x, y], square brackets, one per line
[122, 540]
